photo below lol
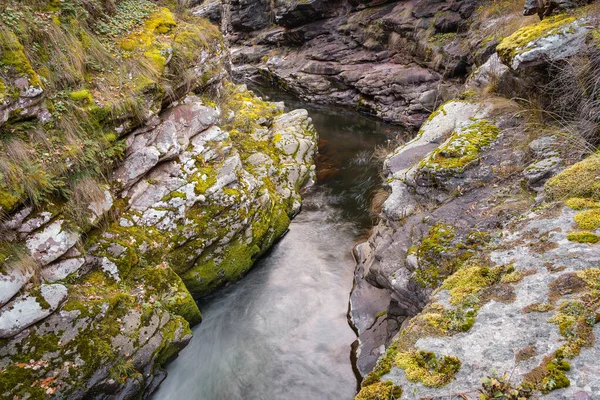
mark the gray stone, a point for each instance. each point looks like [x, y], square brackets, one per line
[27, 310]
[51, 242]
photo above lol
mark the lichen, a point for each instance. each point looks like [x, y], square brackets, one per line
[578, 203]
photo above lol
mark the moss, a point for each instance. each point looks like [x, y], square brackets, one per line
[380, 391]
[422, 366]
[588, 219]
[517, 42]
[436, 255]
[12, 55]
[161, 21]
[383, 366]
[82, 96]
[8, 200]
[213, 271]
[583, 237]
[156, 58]
[578, 203]
[549, 375]
[168, 349]
[579, 180]
[470, 280]
[462, 148]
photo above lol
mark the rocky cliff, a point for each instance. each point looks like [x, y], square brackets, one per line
[134, 177]
[482, 277]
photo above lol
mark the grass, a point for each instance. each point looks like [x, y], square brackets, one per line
[72, 49]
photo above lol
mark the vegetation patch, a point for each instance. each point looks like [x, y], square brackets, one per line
[425, 367]
[380, 391]
[580, 180]
[583, 237]
[588, 220]
[462, 149]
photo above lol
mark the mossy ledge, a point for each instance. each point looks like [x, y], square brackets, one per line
[90, 79]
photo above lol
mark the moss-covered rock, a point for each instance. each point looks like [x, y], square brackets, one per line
[579, 180]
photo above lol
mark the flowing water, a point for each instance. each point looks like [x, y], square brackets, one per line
[282, 331]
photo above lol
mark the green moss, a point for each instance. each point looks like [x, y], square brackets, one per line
[579, 180]
[8, 200]
[583, 237]
[380, 391]
[161, 21]
[471, 279]
[156, 58]
[383, 366]
[12, 55]
[589, 219]
[82, 96]
[424, 367]
[434, 254]
[462, 148]
[168, 349]
[517, 42]
[578, 203]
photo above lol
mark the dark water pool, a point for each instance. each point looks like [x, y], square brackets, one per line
[282, 331]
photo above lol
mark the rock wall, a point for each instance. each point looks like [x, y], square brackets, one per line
[483, 268]
[135, 178]
[395, 60]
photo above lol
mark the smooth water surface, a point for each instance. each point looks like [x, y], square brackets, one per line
[282, 331]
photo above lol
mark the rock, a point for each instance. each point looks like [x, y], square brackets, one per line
[166, 140]
[538, 172]
[490, 73]
[100, 207]
[544, 147]
[51, 242]
[29, 309]
[552, 39]
[61, 269]
[11, 283]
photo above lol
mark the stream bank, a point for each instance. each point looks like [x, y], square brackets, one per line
[285, 324]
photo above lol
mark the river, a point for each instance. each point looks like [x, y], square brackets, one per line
[282, 331]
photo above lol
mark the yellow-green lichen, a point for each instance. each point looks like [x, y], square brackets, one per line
[578, 203]
[471, 279]
[82, 96]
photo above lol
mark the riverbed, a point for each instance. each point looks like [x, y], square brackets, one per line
[282, 331]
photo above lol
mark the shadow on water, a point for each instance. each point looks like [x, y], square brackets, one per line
[282, 332]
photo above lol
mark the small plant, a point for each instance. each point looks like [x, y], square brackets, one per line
[501, 388]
